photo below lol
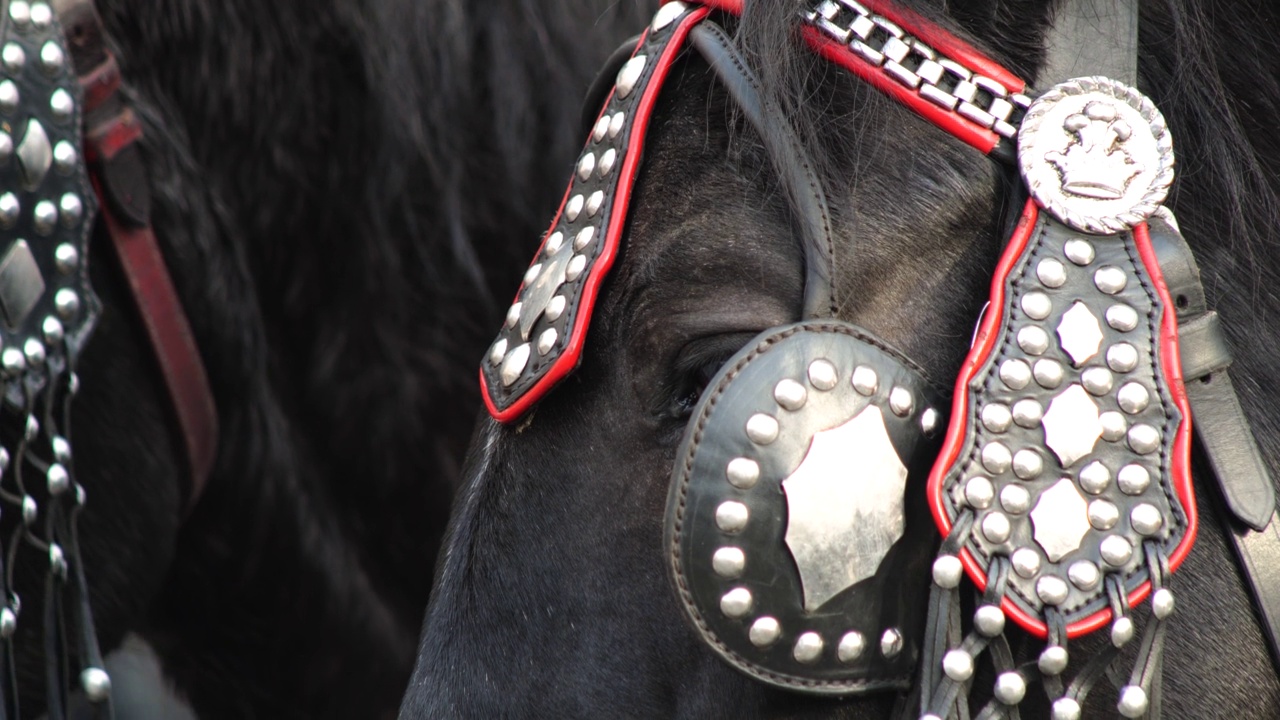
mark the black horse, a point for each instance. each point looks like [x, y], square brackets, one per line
[552, 598]
[341, 190]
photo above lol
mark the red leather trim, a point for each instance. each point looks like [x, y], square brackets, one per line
[100, 83]
[104, 140]
[984, 343]
[572, 354]
[173, 342]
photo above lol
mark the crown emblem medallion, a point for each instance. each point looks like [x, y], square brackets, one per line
[1096, 154]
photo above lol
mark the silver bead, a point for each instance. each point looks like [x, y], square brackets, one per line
[1122, 357]
[958, 665]
[1133, 398]
[1146, 519]
[1084, 575]
[64, 157]
[1052, 590]
[72, 209]
[1103, 514]
[577, 264]
[1036, 305]
[929, 420]
[573, 208]
[1033, 340]
[731, 516]
[1143, 438]
[1094, 478]
[1066, 709]
[666, 14]
[1121, 631]
[947, 571]
[1048, 373]
[96, 683]
[979, 492]
[1027, 464]
[1116, 551]
[554, 242]
[61, 449]
[996, 417]
[41, 15]
[901, 402]
[1010, 688]
[996, 457]
[1097, 380]
[584, 237]
[1027, 413]
[51, 57]
[33, 427]
[30, 511]
[1015, 499]
[547, 340]
[891, 643]
[9, 98]
[532, 273]
[764, 632]
[33, 349]
[67, 303]
[865, 380]
[8, 623]
[1113, 425]
[1122, 318]
[20, 12]
[514, 364]
[736, 603]
[554, 308]
[6, 146]
[762, 429]
[1026, 562]
[13, 57]
[743, 473]
[989, 620]
[996, 528]
[1133, 479]
[1110, 279]
[808, 648]
[13, 360]
[9, 209]
[607, 159]
[789, 394]
[823, 375]
[498, 351]
[57, 560]
[728, 562]
[513, 314]
[1162, 603]
[586, 166]
[851, 646]
[62, 104]
[1078, 251]
[630, 74]
[1015, 373]
[1053, 660]
[615, 124]
[1133, 701]
[45, 217]
[600, 129]
[57, 478]
[595, 202]
[1051, 273]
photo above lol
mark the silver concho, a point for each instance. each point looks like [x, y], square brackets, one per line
[1096, 154]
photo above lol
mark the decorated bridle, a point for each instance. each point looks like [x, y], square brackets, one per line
[68, 150]
[1062, 483]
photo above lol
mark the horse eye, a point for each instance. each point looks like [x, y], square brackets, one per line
[693, 386]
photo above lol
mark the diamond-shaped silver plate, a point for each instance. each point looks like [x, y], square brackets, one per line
[1071, 425]
[1060, 520]
[21, 283]
[35, 155]
[1079, 333]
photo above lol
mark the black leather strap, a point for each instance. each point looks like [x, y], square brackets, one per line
[1074, 47]
[1259, 554]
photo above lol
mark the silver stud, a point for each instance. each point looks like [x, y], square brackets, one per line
[808, 647]
[979, 492]
[1027, 413]
[586, 166]
[1122, 357]
[851, 646]
[1133, 398]
[57, 479]
[547, 340]
[573, 208]
[57, 560]
[513, 365]
[1094, 478]
[1015, 373]
[996, 417]
[72, 209]
[989, 620]
[20, 12]
[41, 15]
[554, 242]
[1146, 519]
[1010, 688]
[764, 631]
[8, 623]
[1133, 701]
[731, 516]
[1015, 499]
[9, 209]
[600, 129]
[30, 511]
[900, 401]
[64, 157]
[736, 603]
[532, 273]
[790, 394]
[996, 457]
[13, 57]
[1066, 708]
[1027, 464]
[1133, 479]
[1051, 273]
[1103, 514]
[1053, 660]
[743, 473]
[584, 237]
[13, 360]
[33, 427]
[1110, 279]
[53, 331]
[61, 449]
[865, 380]
[1122, 318]
[615, 124]
[577, 264]
[554, 308]
[1026, 562]
[1097, 380]
[1162, 603]
[607, 160]
[728, 562]
[6, 146]
[1143, 438]
[891, 643]
[958, 665]
[1078, 251]
[1116, 550]
[1121, 631]
[62, 104]
[1052, 590]
[630, 74]
[995, 527]
[929, 420]
[1084, 575]
[1048, 373]
[823, 375]
[498, 352]
[762, 428]
[513, 314]
[35, 352]
[594, 202]
[96, 684]
[51, 57]
[1036, 305]
[1033, 340]
[1113, 425]
[666, 14]
[45, 216]
[947, 571]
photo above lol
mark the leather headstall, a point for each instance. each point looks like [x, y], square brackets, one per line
[797, 535]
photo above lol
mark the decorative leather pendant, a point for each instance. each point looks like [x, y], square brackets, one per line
[795, 513]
